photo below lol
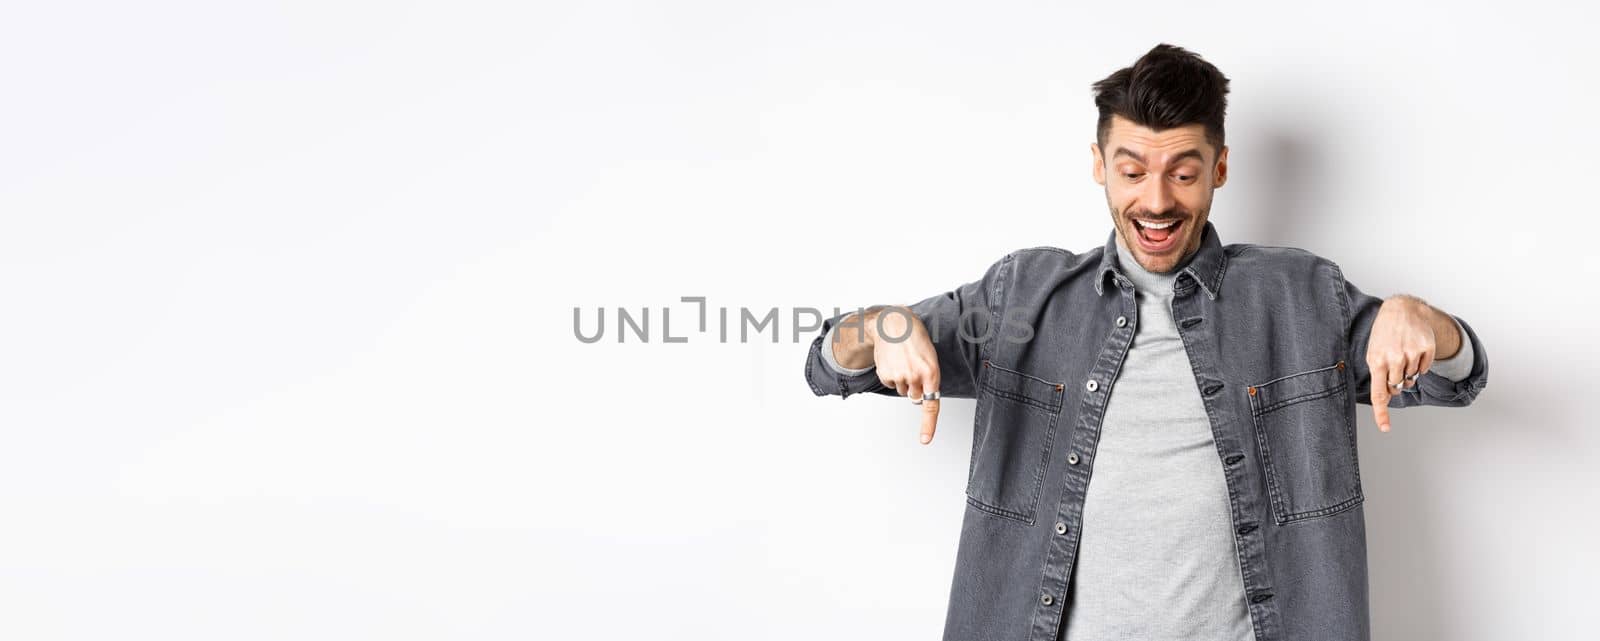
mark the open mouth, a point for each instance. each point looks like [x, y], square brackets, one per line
[1158, 235]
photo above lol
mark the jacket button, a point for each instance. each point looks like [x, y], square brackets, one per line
[1091, 385]
[1122, 321]
[1061, 528]
[1046, 599]
[1072, 459]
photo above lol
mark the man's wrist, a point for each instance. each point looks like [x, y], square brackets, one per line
[831, 358]
[868, 323]
[855, 345]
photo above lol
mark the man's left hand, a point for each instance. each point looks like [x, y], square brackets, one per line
[1400, 348]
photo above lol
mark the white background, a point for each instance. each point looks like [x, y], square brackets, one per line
[287, 292]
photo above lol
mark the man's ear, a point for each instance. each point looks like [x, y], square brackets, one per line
[1099, 164]
[1222, 168]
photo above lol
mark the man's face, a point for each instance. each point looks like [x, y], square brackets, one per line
[1159, 178]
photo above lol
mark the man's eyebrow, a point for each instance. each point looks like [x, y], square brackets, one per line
[1194, 153]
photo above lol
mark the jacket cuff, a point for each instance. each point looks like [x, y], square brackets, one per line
[1458, 393]
[822, 376]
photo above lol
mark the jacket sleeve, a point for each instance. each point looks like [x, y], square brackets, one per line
[958, 322]
[1433, 387]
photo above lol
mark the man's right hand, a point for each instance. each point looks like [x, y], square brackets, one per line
[906, 360]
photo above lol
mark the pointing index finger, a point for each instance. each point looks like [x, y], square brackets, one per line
[930, 419]
[1380, 397]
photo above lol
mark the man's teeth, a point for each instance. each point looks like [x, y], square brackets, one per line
[1149, 225]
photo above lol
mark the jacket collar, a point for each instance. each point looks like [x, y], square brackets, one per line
[1204, 266]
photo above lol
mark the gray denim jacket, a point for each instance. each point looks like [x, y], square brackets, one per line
[1277, 338]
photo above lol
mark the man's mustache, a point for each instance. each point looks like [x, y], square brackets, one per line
[1171, 214]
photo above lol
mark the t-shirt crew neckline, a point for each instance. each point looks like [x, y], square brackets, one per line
[1143, 279]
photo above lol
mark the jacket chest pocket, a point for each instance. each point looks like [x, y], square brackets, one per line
[1016, 419]
[1305, 428]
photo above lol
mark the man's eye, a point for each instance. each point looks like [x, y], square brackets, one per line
[1185, 178]
[1131, 176]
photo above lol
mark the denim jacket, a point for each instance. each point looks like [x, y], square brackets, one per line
[1277, 339]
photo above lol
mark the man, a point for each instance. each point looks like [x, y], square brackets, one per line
[1164, 443]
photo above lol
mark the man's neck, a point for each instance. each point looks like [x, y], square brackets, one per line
[1143, 279]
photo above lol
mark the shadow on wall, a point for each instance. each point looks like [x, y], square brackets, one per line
[1422, 567]
[1283, 192]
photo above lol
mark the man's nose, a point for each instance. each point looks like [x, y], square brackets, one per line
[1157, 197]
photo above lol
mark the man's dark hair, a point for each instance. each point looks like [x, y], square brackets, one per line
[1168, 87]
